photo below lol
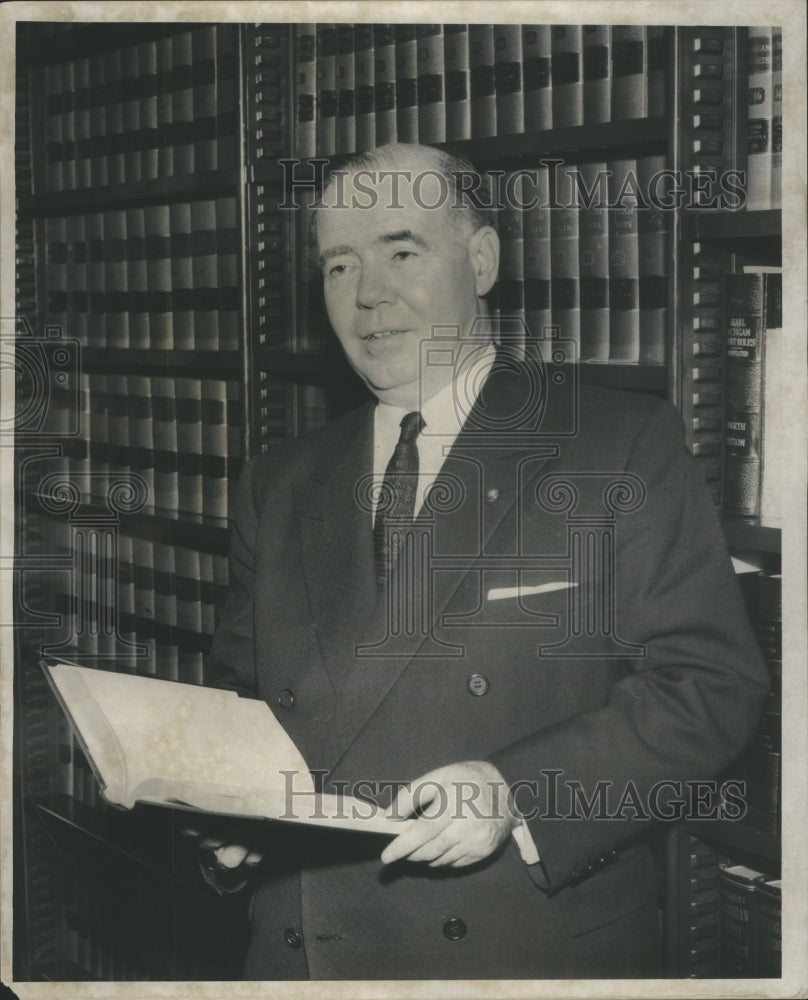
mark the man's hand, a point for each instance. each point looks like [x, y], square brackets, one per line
[465, 816]
[228, 855]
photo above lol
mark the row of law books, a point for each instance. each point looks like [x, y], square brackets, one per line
[160, 276]
[361, 85]
[143, 111]
[588, 257]
[755, 412]
[764, 119]
[135, 582]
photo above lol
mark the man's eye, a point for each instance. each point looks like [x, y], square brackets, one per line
[404, 254]
[335, 270]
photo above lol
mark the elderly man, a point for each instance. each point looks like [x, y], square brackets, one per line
[497, 601]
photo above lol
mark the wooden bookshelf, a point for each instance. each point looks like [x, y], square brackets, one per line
[755, 234]
[154, 361]
[753, 535]
[737, 836]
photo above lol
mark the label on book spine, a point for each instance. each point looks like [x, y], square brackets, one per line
[597, 73]
[536, 72]
[759, 120]
[483, 88]
[568, 92]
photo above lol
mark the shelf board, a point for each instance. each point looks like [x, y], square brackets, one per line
[752, 535]
[155, 361]
[737, 836]
[160, 191]
[638, 133]
[753, 234]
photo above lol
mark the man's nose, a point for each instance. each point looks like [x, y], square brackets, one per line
[373, 288]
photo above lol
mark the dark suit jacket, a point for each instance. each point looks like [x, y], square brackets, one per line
[645, 671]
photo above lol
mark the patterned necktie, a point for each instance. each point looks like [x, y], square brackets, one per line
[396, 504]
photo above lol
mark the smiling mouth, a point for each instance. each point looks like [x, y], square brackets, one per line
[381, 334]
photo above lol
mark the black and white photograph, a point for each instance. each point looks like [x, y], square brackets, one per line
[403, 463]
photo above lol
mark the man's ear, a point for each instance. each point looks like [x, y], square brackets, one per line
[484, 255]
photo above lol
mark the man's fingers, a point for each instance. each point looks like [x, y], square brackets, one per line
[427, 794]
[420, 832]
[232, 855]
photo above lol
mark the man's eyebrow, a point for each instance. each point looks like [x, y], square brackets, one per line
[403, 235]
[337, 251]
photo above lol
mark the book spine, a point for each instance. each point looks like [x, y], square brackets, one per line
[365, 76]
[384, 42]
[203, 81]
[188, 587]
[406, 83]
[512, 260]
[189, 444]
[227, 136]
[593, 261]
[77, 296]
[54, 129]
[165, 585]
[115, 279]
[508, 79]
[67, 88]
[775, 414]
[182, 276]
[624, 298]
[458, 82]
[128, 87]
[759, 120]
[629, 72]
[777, 119]
[538, 314]
[164, 424]
[158, 275]
[483, 85]
[346, 90]
[151, 58]
[81, 99]
[738, 921]
[117, 162]
[137, 278]
[565, 293]
[141, 429]
[769, 928]
[126, 578]
[326, 139]
[431, 73]
[225, 335]
[537, 82]
[92, 254]
[568, 78]
[214, 447]
[657, 77]
[744, 355]
[207, 595]
[653, 246]
[597, 42]
[305, 90]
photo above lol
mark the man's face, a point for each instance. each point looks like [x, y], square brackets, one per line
[390, 275]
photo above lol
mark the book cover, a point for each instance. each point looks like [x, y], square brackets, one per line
[384, 41]
[759, 120]
[653, 252]
[744, 326]
[568, 78]
[597, 42]
[537, 270]
[406, 83]
[776, 197]
[565, 272]
[365, 78]
[431, 71]
[629, 72]
[737, 886]
[305, 90]
[346, 90]
[508, 79]
[483, 85]
[197, 748]
[458, 87]
[537, 77]
[593, 260]
[624, 278]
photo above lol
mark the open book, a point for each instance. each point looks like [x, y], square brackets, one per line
[185, 746]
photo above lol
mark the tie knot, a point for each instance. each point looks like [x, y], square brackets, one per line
[411, 426]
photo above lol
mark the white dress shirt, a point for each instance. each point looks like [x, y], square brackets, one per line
[444, 415]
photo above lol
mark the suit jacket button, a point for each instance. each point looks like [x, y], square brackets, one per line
[293, 937]
[492, 495]
[286, 699]
[477, 685]
[454, 929]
